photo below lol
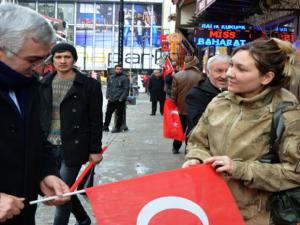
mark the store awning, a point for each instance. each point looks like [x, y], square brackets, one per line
[229, 11]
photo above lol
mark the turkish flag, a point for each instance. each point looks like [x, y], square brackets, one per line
[168, 68]
[191, 196]
[183, 67]
[172, 125]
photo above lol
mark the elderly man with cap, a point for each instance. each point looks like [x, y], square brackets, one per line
[182, 83]
[72, 120]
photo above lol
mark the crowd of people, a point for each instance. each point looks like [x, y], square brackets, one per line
[50, 127]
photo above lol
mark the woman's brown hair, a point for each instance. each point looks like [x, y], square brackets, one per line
[273, 55]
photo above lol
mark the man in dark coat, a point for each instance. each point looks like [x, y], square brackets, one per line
[156, 90]
[116, 93]
[199, 96]
[26, 165]
[72, 120]
[182, 83]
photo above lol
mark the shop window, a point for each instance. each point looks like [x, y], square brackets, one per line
[84, 36]
[103, 37]
[70, 33]
[104, 14]
[47, 9]
[65, 12]
[85, 13]
[30, 5]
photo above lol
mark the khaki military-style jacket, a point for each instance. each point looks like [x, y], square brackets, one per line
[240, 128]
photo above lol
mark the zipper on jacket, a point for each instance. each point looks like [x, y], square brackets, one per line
[234, 121]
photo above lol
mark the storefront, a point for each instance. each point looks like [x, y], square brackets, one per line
[93, 28]
[218, 26]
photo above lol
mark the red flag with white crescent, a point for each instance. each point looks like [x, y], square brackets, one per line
[168, 68]
[191, 196]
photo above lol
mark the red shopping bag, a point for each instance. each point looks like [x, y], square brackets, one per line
[172, 125]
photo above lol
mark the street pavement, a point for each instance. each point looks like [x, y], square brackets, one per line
[140, 150]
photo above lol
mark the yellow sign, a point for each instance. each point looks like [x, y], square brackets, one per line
[174, 40]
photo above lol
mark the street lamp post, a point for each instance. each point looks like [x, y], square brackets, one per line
[121, 33]
[84, 49]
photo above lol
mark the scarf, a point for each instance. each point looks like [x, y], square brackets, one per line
[11, 80]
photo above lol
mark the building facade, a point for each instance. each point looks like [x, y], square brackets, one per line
[92, 26]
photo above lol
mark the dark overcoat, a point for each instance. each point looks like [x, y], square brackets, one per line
[156, 88]
[80, 117]
[24, 152]
[197, 100]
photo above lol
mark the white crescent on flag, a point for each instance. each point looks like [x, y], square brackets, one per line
[171, 202]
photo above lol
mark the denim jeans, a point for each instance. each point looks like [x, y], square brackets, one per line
[69, 175]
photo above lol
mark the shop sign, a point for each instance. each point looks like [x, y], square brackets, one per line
[174, 41]
[283, 33]
[135, 58]
[229, 35]
[164, 43]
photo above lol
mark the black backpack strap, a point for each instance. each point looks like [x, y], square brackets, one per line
[277, 129]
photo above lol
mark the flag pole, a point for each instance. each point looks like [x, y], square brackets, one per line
[85, 171]
[56, 196]
[74, 186]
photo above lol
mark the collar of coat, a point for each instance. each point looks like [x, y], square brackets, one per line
[269, 97]
[79, 78]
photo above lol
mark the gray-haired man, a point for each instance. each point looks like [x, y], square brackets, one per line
[26, 166]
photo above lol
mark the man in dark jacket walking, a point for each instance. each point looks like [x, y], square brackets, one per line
[157, 94]
[72, 121]
[26, 165]
[199, 96]
[116, 93]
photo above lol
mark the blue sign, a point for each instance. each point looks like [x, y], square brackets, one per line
[229, 35]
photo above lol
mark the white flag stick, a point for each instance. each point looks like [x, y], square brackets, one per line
[56, 196]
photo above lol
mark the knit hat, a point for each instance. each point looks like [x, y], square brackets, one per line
[62, 47]
[191, 61]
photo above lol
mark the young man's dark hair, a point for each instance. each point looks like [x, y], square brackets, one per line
[118, 65]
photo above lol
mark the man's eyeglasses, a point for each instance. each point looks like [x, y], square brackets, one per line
[34, 60]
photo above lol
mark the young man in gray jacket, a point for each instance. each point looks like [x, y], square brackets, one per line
[116, 93]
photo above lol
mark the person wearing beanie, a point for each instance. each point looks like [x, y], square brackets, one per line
[62, 47]
[72, 120]
[182, 83]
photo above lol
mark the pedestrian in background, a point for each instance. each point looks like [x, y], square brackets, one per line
[146, 82]
[116, 93]
[156, 90]
[72, 119]
[200, 95]
[233, 134]
[182, 83]
[26, 165]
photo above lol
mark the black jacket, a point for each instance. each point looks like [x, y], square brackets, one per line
[156, 88]
[25, 157]
[117, 88]
[197, 100]
[80, 117]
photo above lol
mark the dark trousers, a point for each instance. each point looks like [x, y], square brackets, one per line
[117, 106]
[68, 174]
[161, 106]
[183, 120]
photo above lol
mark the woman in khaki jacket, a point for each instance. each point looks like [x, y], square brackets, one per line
[233, 133]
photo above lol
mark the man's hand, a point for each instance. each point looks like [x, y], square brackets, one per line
[10, 206]
[96, 158]
[52, 185]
